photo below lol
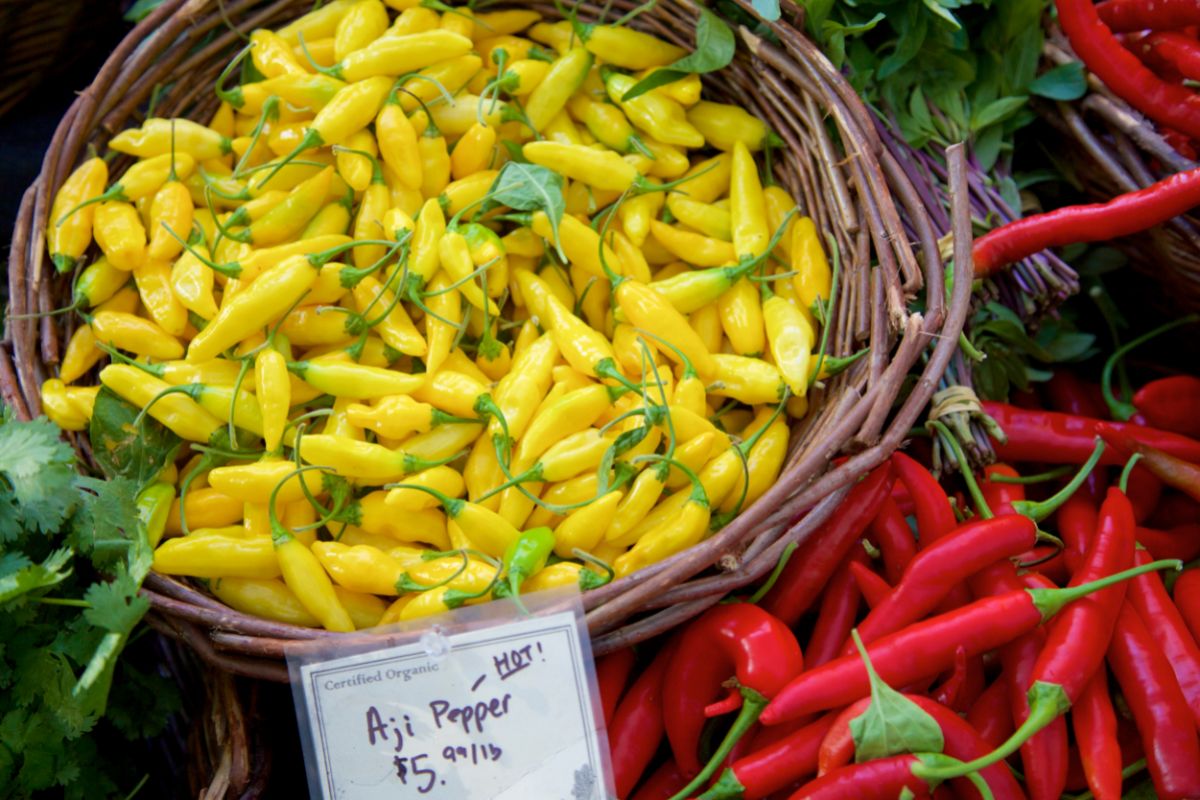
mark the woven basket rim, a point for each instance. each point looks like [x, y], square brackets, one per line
[783, 83]
[1120, 150]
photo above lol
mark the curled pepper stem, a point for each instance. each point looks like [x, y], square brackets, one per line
[1122, 409]
[699, 495]
[604, 566]
[1038, 511]
[752, 706]
[309, 140]
[1040, 477]
[231, 270]
[769, 583]
[270, 111]
[1127, 470]
[231, 96]
[406, 584]
[279, 533]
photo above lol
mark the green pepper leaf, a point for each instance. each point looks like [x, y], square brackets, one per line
[892, 724]
[997, 111]
[715, 47]
[123, 449]
[1064, 82]
[529, 187]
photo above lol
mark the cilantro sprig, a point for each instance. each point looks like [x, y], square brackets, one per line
[72, 558]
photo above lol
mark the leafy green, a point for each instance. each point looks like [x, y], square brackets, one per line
[944, 70]
[892, 724]
[1064, 82]
[715, 47]
[1008, 348]
[124, 447]
[72, 559]
[529, 187]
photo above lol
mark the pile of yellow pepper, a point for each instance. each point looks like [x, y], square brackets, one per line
[444, 312]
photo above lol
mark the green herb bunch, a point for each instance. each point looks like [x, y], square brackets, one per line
[72, 558]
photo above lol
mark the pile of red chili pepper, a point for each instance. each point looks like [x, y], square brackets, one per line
[1031, 635]
[1147, 52]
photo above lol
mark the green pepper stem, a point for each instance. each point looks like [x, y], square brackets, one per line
[270, 111]
[981, 504]
[1123, 485]
[309, 140]
[1050, 601]
[1122, 409]
[752, 707]
[1041, 477]
[231, 96]
[769, 584]
[1038, 511]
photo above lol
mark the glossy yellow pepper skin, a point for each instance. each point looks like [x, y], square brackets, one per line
[57, 406]
[360, 568]
[355, 381]
[273, 391]
[364, 23]
[656, 114]
[694, 248]
[723, 126]
[747, 207]
[217, 556]
[119, 232]
[650, 311]
[305, 576]
[742, 318]
[791, 339]
[602, 169]
[813, 278]
[747, 380]
[585, 527]
[68, 235]
[551, 95]
[392, 56]
[255, 481]
[268, 598]
[629, 49]
[135, 334]
[156, 135]
[262, 302]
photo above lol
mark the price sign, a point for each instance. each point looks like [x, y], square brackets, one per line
[499, 711]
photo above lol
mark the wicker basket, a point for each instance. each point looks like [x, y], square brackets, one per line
[1114, 149]
[831, 163]
[34, 39]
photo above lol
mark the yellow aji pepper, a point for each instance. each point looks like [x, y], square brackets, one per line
[710, 220]
[391, 321]
[320, 23]
[813, 279]
[118, 230]
[637, 212]
[57, 406]
[708, 180]
[694, 248]
[264, 598]
[289, 217]
[153, 279]
[356, 381]
[271, 54]
[159, 137]
[602, 169]
[790, 336]
[453, 74]
[765, 460]
[747, 380]
[680, 531]
[706, 322]
[205, 508]
[467, 191]
[399, 55]
[455, 255]
[360, 568]
[365, 22]
[355, 167]
[475, 151]
[584, 528]
[446, 480]
[723, 126]
[656, 114]
[273, 393]
[398, 142]
[628, 48]
[551, 95]
[742, 318]
[505, 21]
[584, 348]
[647, 309]
[305, 576]
[263, 301]
[364, 461]
[642, 496]
[747, 208]
[217, 556]
[135, 334]
[68, 235]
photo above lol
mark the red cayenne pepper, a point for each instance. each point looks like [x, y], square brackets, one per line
[775, 766]
[931, 506]
[666, 781]
[927, 648]
[838, 611]
[1095, 726]
[1149, 598]
[810, 567]
[1186, 594]
[961, 741]
[990, 714]
[1172, 404]
[1123, 215]
[963, 686]
[874, 589]
[1181, 542]
[1053, 438]
[944, 565]
[1159, 708]
[612, 674]
[727, 640]
[1168, 53]
[881, 779]
[1124, 16]
[636, 729]
[890, 531]
[1127, 77]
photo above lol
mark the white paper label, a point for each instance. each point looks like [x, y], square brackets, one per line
[500, 712]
